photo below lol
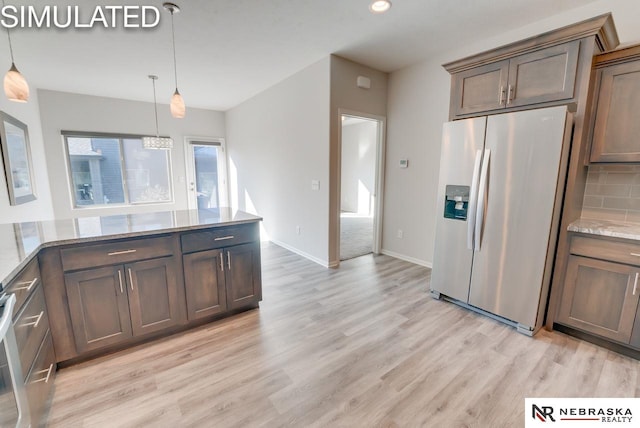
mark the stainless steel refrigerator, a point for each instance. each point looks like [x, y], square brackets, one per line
[500, 193]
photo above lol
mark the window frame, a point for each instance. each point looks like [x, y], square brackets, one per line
[123, 173]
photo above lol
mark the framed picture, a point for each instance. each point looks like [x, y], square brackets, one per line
[16, 156]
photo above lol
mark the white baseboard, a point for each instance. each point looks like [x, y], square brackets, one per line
[301, 253]
[408, 259]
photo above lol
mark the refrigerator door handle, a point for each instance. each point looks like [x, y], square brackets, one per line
[482, 197]
[473, 200]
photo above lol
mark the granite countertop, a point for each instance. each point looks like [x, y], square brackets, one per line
[615, 229]
[20, 242]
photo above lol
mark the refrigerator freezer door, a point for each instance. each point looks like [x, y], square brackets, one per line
[461, 140]
[508, 270]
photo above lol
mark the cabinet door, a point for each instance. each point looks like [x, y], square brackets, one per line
[243, 276]
[616, 134]
[99, 307]
[480, 89]
[153, 295]
[204, 283]
[600, 297]
[542, 76]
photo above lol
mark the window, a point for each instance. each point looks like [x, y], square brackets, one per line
[117, 170]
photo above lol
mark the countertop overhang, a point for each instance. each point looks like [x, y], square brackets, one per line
[614, 229]
[21, 242]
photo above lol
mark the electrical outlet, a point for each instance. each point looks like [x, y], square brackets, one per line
[297, 230]
[400, 234]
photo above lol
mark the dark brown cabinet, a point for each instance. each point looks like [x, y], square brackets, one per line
[541, 76]
[111, 304]
[616, 129]
[33, 337]
[204, 284]
[223, 272]
[243, 281]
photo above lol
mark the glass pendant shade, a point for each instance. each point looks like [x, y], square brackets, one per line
[15, 85]
[157, 142]
[177, 105]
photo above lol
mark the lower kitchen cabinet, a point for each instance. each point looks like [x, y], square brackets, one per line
[39, 384]
[112, 304]
[204, 283]
[243, 277]
[600, 297]
[222, 279]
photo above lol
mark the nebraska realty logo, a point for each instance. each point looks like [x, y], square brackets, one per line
[47, 16]
[563, 412]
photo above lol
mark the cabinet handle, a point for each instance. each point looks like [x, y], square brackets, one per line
[502, 93]
[510, 95]
[35, 323]
[44, 379]
[221, 262]
[117, 253]
[224, 238]
[634, 254]
[229, 260]
[635, 284]
[130, 279]
[27, 287]
[120, 281]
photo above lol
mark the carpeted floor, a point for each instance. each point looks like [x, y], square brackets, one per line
[356, 236]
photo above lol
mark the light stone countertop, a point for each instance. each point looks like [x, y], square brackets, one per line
[20, 242]
[614, 229]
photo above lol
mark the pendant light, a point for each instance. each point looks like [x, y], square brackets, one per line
[156, 142]
[177, 103]
[16, 87]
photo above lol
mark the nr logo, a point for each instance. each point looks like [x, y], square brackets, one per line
[543, 413]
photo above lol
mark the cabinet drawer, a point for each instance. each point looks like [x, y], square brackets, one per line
[219, 237]
[39, 383]
[82, 257]
[615, 251]
[24, 284]
[30, 327]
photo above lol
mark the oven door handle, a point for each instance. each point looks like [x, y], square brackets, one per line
[5, 321]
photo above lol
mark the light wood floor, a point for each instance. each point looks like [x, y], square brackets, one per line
[360, 346]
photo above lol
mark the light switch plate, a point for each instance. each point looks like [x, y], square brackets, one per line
[315, 184]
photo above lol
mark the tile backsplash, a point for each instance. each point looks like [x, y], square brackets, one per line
[613, 193]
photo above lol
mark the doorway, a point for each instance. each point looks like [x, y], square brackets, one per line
[206, 173]
[360, 169]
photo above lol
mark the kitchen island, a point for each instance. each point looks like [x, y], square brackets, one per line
[114, 281]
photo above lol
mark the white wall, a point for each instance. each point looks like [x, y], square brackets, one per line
[418, 106]
[358, 166]
[72, 112]
[278, 142]
[41, 208]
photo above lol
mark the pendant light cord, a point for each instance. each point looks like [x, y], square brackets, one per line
[155, 104]
[9, 37]
[173, 39]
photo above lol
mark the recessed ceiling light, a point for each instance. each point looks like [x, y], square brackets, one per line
[379, 6]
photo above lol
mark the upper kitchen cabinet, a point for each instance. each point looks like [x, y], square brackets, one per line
[616, 130]
[537, 72]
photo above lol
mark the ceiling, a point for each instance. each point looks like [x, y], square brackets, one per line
[230, 50]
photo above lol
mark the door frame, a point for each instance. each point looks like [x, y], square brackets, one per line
[379, 176]
[190, 170]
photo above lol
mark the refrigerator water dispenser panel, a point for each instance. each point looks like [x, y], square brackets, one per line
[456, 202]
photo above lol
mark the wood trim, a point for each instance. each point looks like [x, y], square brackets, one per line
[601, 26]
[631, 53]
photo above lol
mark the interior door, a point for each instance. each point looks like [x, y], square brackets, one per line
[526, 150]
[207, 174]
